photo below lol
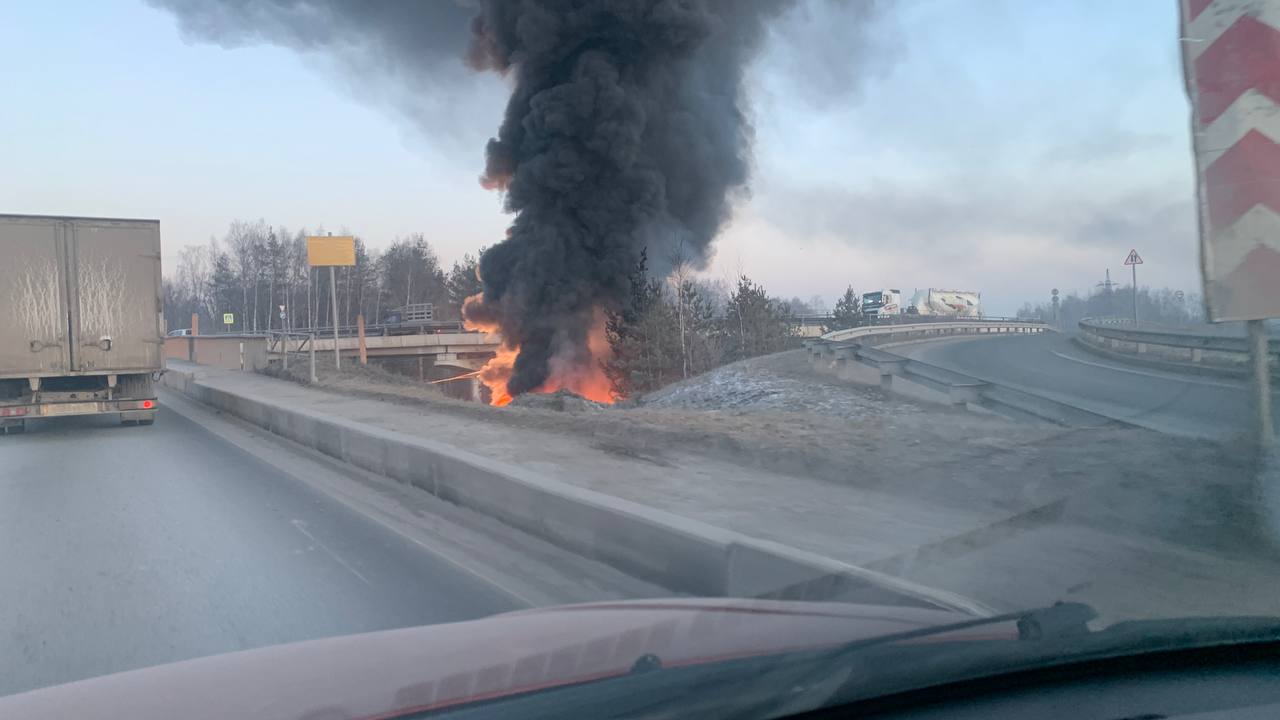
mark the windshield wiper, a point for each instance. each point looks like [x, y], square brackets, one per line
[1052, 636]
[1059, 620]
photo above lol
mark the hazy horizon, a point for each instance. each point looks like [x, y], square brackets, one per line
[1008, 151]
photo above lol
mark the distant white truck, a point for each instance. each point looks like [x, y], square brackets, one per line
[940, 302]
[881, 304]
[82, 327]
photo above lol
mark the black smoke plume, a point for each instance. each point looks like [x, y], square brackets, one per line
[626, 129]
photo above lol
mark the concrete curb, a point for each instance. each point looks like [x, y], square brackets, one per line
[678, 553]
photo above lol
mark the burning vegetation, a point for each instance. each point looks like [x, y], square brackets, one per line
[586, 378]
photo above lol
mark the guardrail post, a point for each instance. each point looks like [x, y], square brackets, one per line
[1259, 340]
[887, 371]
[1197, 355]
[311, 344]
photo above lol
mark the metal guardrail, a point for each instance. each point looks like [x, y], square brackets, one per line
[402, 328]
[894, 331]
[278, 343]
[1189, 339]
[905, 319]
[1205, 352]
[843, 346]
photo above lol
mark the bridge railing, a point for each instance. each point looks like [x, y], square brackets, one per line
[892, 332]
[1195, 349]
[857, 345]
[285, 344]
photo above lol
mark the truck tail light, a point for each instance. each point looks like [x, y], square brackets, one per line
[13, 412]
[136, 405]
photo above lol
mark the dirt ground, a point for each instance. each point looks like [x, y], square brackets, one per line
[922, 490]
[778, 413]
[773, 412]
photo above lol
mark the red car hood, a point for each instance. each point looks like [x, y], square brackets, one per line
[394, 672]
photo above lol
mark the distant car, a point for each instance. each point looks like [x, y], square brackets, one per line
[184, 332]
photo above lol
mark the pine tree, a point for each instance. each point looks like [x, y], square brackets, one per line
[643, 337]
[463, 282]
[847, 313]
[754, 323]
[222, 286]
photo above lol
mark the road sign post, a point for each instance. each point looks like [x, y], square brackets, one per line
[333, 296]
[332, 251]
[1133, 261]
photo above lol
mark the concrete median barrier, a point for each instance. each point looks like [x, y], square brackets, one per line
[678, 553]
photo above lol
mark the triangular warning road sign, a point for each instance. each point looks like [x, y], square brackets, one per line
[1133, 258]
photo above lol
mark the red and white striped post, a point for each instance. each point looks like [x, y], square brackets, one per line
[1231, 60]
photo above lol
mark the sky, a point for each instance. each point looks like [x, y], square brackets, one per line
[1002, 146]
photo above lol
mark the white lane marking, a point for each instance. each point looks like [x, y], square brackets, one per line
[1146, 373]
[302, 528]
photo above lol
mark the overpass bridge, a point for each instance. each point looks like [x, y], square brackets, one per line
[463, 350]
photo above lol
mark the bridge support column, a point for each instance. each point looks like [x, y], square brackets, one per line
[475, 389]
[962, 395]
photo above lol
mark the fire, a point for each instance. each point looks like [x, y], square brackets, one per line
[589, 381]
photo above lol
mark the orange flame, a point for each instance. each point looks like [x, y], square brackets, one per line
[589, 381]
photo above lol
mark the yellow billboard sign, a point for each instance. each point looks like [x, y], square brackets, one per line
[331, 250]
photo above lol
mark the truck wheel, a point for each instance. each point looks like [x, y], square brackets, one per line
[127, 423]
[148, 421]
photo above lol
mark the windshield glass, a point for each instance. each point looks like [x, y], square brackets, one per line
[770, 325]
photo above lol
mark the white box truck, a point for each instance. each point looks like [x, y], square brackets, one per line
[81, 332]
[881, 304]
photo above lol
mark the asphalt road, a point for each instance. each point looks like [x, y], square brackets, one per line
[124, 547]
[1051, 365]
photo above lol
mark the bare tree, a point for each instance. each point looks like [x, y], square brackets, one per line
[677, 281]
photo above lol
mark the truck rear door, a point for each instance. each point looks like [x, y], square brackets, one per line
[116, 312]
[33, 320]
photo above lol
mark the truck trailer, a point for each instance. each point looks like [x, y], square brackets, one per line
[947, 303]
[82, 331]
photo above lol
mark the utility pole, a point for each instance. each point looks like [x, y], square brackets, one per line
[1107, 287]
